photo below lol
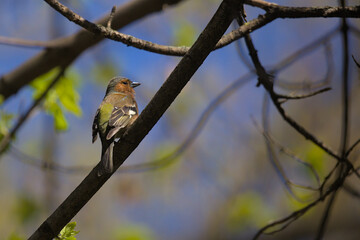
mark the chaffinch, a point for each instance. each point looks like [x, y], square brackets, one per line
[117, 111]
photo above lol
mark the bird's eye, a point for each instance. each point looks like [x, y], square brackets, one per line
[125, 83]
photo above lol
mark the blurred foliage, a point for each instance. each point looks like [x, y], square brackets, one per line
[26, 208]
[103, 71]
[162, 154]
[167, 165]
[15, 236]
[5, 123]
[247, 210]
[68, 232]
[134, 232]
[185, 34]
[317, 158]
[63, 97]
[1, 99]
[294, 204]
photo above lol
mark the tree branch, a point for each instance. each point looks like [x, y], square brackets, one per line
[144, 123]
[66, 49]
[345, 122]
[345, 166]
[279, 11]
[26, 43]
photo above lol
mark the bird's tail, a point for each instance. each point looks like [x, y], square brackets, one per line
[107, 159]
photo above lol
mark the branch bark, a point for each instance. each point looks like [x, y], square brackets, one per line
[147, 119]
[65, 50]
[68, 49]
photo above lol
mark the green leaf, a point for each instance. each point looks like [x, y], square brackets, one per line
[316, 157]
[60, 120]
[68, 232]
[247, 210]
[185, 34]
[134, 232]
[104, 71]
[15, 236]
[62, 98]
[26, 208]
[68, 95]
[5, 123]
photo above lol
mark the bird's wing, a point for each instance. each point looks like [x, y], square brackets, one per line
[120, 118]
[95, 128]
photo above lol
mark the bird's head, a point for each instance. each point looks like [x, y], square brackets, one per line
[121, 85]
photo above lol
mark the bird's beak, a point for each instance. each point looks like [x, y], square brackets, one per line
[135, 84]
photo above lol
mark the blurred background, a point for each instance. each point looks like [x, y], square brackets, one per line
[223, 185]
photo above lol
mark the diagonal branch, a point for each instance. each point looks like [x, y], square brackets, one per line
[144, 123]
[357, 64]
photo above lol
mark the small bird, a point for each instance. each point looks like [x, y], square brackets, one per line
[117, 111]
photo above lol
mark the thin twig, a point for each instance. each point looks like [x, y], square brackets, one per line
[241, 52]
[290, 97]
[276, 163]
[357, 64]
[304, 51]
[290, 218]
[26, 43]
[292, 155]
[112, 13]
[351, 190]
[345, 85]
[345, 124]
[325, 217]
[351, 148]
[271, 153]
[327, 178]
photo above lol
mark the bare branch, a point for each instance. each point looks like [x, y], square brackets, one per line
[293, 97]
[351, 190]
[352, 147]
[26, 43]
[325, 217]
[67, 49]
[304, 51]
[12, 82]
[129, 40]
[266, 80]
[357, 64]
[345, 123]
[298, 213]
